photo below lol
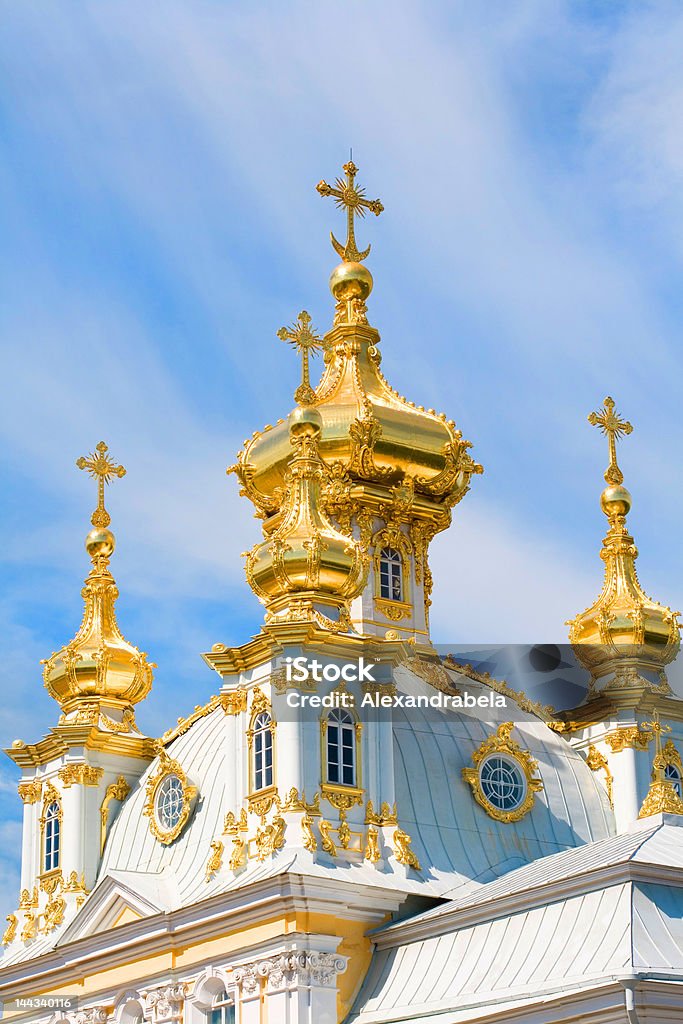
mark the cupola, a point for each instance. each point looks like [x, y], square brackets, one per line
[99, 666]
[623, 628]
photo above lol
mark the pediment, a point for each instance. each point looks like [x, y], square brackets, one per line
[116, 901]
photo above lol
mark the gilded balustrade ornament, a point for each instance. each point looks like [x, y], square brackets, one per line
[11, 930]
[215, 860]
[404, 854]
[118, 790]
[623, 626]
[98, 665]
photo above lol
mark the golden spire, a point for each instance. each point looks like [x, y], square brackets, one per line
[662, 797]
[611, 424]
[99, 666]
[623, 623]
[306, 342]
[350, 197]
[100, 466]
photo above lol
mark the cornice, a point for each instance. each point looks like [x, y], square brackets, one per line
[270, 643]
[223, 914]
[63, 738]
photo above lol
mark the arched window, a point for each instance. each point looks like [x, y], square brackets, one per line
[263, 751]
[222, 1010]
[341, 748]
[53, 825]
[672, 774]
[390, 574]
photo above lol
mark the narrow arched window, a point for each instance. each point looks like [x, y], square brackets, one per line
[390, 573]
[222, 1009]
[53, 826]
[672, 774]
[263, 751]
[341, 748]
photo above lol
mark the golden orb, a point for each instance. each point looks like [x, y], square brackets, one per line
[18, 743]
[615, 501]
[350, 281]
[305, 421]
[100, 542]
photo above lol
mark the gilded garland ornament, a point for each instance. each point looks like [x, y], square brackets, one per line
[506, 757]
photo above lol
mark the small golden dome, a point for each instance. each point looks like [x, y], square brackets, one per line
[623, 623]
[99, 664]
[306, 568]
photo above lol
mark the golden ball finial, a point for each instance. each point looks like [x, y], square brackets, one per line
[350, 281]
[615, 500]
[100, 542]
[305, 421]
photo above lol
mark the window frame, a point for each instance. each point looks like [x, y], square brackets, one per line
[49, 835]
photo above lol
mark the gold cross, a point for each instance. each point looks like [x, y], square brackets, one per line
[101, 466]
[306, 342]
[657, 729]
[347, 194]
[610, 423]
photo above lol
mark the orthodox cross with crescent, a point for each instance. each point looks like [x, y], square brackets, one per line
[349, 196]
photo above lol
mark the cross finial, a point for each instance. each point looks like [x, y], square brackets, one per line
[613, 426]
[657, 729]
[349, 196]
[306, 342]
[103, 468]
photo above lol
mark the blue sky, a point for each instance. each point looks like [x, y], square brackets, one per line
[159, 222]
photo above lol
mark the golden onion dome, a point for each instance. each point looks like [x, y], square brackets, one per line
[305, 568]
[369, 433]
[99, 665]
[623, 623]
[376, 434]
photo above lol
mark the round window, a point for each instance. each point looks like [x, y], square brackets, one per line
[170, 801]
[502, 782]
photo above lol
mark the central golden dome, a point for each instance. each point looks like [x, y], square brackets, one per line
[389, 471]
